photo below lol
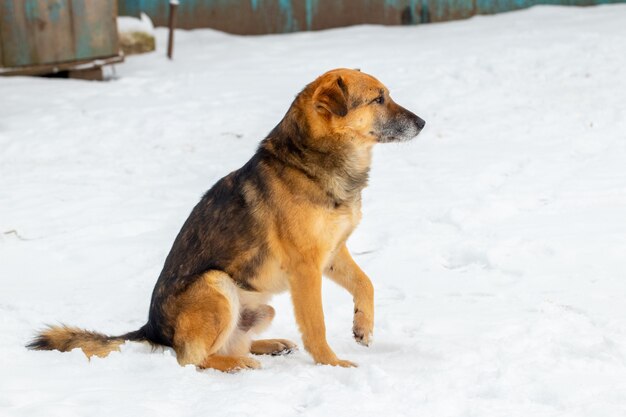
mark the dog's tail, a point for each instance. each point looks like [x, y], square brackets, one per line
[65, 338]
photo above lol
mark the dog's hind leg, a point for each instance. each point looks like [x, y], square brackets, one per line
[229, 363]
[256, 320]
[206, 320]
[272, 347]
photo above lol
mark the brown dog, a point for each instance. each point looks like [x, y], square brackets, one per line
[276, 224]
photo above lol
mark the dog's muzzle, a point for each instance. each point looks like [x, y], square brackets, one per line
[404, 126]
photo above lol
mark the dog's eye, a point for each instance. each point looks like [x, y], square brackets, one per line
[379, 100]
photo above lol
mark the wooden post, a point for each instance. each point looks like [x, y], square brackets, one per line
[172, 25]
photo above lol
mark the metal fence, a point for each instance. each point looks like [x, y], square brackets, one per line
[279, 16]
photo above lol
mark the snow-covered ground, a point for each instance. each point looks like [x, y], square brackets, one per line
[496, 241]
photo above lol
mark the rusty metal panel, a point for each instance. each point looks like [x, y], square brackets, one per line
[442, 10]
[36, 32]
[277, 16]
[1, 59]
[324, 14]
[498, 6]
[16, 45]
[94, 27]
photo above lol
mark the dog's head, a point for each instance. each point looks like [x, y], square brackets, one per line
[350, 102]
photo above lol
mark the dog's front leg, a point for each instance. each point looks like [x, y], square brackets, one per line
[345, 272]
[306, 293]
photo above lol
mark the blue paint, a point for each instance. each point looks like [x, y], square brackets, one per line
[413, 9]
[81, 28]
[311, 9]
[440, 10]
[78, 9]
[302, 14]
[134, 7]
[287, 9]
[9, 11]
[54, 11]
[14, 38]
[425, 12]
[82, 44]
[31, 9]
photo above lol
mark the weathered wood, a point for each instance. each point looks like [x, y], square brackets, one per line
[1, 58]
[63, 66]
[38, 32]
[95, 28]
[50, 28]
[91, 74]
[16, 47]
[278, 16]
[442, 10]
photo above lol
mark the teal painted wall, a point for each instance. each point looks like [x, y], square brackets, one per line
[278, 16]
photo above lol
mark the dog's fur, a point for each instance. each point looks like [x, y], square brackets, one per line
[278, 223]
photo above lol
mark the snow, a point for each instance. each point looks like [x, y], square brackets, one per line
[496, 240]
[129, 24]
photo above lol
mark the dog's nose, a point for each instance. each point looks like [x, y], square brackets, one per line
[420, 123]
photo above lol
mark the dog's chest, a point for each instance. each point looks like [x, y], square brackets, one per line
[314, 239]
[336, 225]
[325, 231]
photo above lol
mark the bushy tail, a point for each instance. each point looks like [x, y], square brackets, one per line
[65, 338]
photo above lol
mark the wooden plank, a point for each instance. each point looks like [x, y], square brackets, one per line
[94, 25]
[63, 66]
[91, 74]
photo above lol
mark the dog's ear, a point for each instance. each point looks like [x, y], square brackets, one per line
[332, 98]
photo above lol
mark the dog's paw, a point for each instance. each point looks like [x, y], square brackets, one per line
[229, 363]
[345, 364]
[338, 362]
[284, 347]
[274, 347]
[245, 362]
[362, 328]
